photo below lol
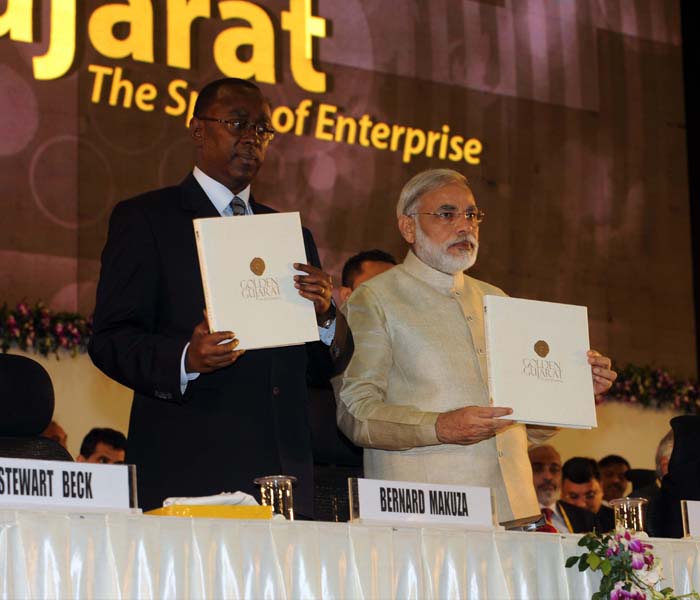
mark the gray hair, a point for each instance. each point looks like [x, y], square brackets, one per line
[664, 450]
[424, 183]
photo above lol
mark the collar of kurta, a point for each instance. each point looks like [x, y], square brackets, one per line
[447, 284]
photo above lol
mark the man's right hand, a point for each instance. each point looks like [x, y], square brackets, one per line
[471, 424]
[206, 353]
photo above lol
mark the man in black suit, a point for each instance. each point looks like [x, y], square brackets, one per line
[546, 477]
[581, 487]
[206, 417]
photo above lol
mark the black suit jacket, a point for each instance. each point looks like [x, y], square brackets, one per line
[578, 519]
[230, 426]
[606, 519]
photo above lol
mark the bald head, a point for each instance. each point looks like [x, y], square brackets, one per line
[546, 473]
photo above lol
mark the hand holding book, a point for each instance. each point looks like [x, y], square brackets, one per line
[317, 286]
[208, 352]
[471, 424]
[603, 375]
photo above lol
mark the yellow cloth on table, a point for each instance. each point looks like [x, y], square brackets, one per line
[213, 511]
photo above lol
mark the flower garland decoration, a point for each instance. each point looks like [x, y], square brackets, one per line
[630, 570]
[38, 328]
[654, 388]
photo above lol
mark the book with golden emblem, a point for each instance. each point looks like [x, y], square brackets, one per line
[537, 362]
[247, 271]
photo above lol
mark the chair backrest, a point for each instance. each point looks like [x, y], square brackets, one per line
[36, 447]
[26, 408]
[26, 396]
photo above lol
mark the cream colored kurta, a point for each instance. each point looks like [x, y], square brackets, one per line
[420, 351]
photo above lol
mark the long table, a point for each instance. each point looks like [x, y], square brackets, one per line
[113, 556]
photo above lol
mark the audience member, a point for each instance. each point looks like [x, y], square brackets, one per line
[663, 455]
[613, 476]
[546, 477]
[682, 481]
[335, 457]
[361, 267]
[651, 490]
[103, 445]
[56, 433]
[581, 487]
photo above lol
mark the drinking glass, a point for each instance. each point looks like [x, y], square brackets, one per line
[276, 491]
[629, 513]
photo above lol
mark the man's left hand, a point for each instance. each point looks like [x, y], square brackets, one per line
[603, 375]
[317, 286]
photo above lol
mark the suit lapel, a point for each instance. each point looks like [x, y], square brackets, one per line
[257, 208]
[194, 200]
[565, 517]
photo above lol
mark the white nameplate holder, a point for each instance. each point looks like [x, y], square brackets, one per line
[419, 504]
[691, 518]
[49, 484]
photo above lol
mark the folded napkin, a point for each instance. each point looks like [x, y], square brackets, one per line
[229, 498]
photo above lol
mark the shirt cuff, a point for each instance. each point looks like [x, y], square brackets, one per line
[185, 377]
[327, 334]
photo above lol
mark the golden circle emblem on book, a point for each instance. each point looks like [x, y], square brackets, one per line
[541, 348]
[257, 265]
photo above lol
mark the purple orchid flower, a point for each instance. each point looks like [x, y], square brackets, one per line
[637, 560]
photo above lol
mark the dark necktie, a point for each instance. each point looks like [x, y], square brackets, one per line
[237, 207]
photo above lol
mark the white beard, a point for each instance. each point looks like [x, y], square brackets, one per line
[547, 497]
[438, 257]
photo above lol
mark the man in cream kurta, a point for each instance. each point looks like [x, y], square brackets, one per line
[415, 392]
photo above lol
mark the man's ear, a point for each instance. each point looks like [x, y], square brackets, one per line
[344, 293]
[197, 131]
[407, 227]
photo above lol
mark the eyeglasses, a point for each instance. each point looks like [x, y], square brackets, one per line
[237, 126]
[450, 217]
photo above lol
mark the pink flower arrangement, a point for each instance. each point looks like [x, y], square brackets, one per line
[43, 331]
[629, 568]
[653, 387]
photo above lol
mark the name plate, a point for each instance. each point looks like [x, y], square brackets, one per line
[58, 484]
[690, 510]
[417, 504]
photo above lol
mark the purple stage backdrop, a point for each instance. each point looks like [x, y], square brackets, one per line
[567, 116]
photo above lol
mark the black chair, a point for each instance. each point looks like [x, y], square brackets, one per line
[640, 478]
[26, 409]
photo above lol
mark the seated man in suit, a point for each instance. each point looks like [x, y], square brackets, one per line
[104, 446]
[335, 457]
[613, 477]
[581, 487]
[682, 481]
[546, 476]
[362, 267]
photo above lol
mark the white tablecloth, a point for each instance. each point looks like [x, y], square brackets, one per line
[57, 555]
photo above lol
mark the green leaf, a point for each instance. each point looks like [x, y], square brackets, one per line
[571, 561]
[583, 562]
[593, 561]
[606, 567]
